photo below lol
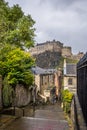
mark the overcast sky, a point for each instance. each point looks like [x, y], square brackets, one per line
[62, 20]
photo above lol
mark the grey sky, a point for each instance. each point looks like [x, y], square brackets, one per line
[62, 20]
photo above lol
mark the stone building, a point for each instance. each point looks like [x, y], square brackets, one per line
[78, 56]
[67, 51]
[47, 46]
[48, 54]
[69, 77]
[45, 80]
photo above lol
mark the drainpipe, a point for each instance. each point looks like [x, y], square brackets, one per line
[65, 66]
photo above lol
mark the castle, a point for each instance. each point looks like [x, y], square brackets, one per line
[51, 51]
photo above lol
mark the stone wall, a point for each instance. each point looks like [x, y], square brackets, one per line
[23, 96]
[37, 82]
[66, 51]
[47, 46]
[51, 46]
[77, 115]
[78, 56]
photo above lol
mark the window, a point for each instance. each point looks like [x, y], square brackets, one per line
[70, 81]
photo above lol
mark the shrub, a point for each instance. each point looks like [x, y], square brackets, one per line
[66, 99]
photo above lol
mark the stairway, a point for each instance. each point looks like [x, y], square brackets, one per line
[50, 117]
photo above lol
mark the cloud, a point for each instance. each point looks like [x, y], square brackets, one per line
[63, 20]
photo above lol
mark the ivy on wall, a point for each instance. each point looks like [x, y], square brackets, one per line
[7, 93]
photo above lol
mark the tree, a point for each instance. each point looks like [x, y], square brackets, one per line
[16, 36]
[23, 35]
[3, 20]
[16, 66]
[15, 27]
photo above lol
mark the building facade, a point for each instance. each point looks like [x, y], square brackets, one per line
[45, 80]
[69, 77]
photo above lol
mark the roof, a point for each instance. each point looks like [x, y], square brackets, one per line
[71, 69]
[82, 60]
[38, 70]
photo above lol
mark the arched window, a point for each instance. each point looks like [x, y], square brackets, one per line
[70, 81]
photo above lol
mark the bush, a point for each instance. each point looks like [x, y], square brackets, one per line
[67, 99]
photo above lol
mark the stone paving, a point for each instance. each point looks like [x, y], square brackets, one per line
[38, 124]
[49, 117]
[5, 120]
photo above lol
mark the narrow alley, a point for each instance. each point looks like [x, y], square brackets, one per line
[46, 117]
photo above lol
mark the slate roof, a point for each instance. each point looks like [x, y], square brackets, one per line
[71, 69]
[38, 70]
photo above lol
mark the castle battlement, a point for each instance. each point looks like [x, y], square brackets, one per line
[48, 54]
[46, 46]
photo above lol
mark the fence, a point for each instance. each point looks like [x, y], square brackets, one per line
[82, 84]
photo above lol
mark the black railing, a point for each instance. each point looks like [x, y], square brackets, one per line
[82, 84]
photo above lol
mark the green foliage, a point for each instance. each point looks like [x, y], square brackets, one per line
[60, 65]
[3, 20]
[15, 28]
[68, 60]
[23, 34]
[15, 13]
[66, 99]
[7, 93]
[16, 66]
[66, 96]
[16, 36]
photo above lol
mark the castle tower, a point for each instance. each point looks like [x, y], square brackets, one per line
[66, 51]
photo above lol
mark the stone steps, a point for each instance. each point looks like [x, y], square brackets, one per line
[27, 123]
[46, 117]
